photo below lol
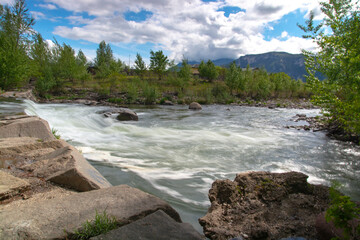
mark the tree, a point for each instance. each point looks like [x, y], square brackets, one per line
[41, 66]
[232, 77]
[208, 70]
[337, 59]
[158, 62]
[104, 59]
[15, 32]
[140, 66]
[81, 59]
[185, 71]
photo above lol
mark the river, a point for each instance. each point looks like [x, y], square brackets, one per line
[176, 154]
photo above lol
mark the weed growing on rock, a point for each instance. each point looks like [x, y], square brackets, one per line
[102, 223]
[55, 133]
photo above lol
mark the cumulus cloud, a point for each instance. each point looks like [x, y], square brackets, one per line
[190, 28]
[4, 2]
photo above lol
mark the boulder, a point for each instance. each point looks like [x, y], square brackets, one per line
[11, 186]
[55, 161]
[58, 217]
[24, 95]
[156, 226]
[123, 114]
[127, 115]
[195, 106]
[25, 126]
[263, 205]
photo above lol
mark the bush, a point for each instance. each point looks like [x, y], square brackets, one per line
[341, 212]
[150, 93]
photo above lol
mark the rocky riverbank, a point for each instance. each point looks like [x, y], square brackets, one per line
[48, 190]
[263, 205]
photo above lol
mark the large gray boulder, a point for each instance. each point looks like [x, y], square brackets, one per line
[56, 218]
[25, 126]
[156, 226]
[55, 161]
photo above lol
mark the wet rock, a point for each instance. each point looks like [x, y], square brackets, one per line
[195, 106]
[263, 205]
[156, 226]
[167, 103]
[127, 115]
[58, 217]
[123, 114]
[25, 126]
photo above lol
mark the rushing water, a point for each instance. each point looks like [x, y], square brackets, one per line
[176, 154]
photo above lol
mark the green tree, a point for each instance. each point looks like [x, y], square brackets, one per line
[232, 77]
[208, 70]
[185, 71]
[158, 62]
[104, 60]
[15, 32]
[41, 66]
[140, 66]
[338, 59]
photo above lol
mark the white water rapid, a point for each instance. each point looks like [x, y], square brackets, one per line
[176, 153]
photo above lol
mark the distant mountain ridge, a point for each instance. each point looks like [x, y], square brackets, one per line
[291, 64]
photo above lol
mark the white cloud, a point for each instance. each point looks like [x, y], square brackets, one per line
[191, 28]
[48, 6]
[284, 34]
[37, 15]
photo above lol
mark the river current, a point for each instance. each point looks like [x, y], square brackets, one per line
[176, 154]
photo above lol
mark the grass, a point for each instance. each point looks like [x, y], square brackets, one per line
[55, 133]
[102, 223]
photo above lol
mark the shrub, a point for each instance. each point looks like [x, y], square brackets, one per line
[341, 212]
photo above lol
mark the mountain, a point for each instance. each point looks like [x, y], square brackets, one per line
[291, 64]
[273, 62]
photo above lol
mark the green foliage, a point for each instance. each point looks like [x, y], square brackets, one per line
[208, 70]
[105, 62]
[233, 77]
[158, 63]
[185, 72]
[341, 211]
[102, 223]
[150, 93]
[140, 66]
[15, 32]
[338, 59]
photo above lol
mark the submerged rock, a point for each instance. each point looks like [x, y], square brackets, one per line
[123, 114]
[263, 205]
[195, 106]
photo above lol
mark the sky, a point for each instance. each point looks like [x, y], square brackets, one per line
[190, 29]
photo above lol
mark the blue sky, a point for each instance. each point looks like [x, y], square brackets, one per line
[194, 29]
